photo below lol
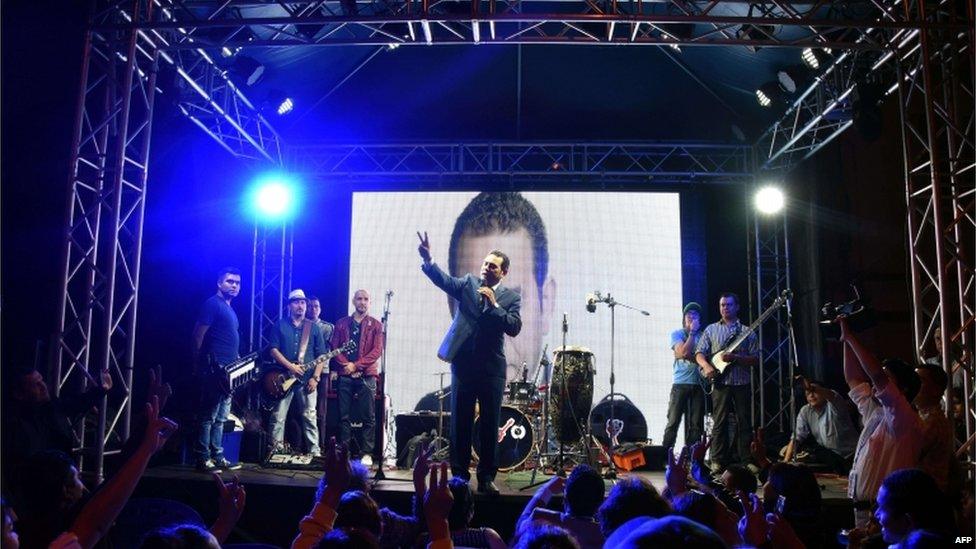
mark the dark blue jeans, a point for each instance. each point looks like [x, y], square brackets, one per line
[210, 427]
[356, 401]
[687, 400]
[487, 391]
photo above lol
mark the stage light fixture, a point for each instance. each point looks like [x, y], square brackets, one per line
[769, 93]
[793, 78]
[286, 106]
[769, 200]
[273, 197]
[247, 69]
[815, 58]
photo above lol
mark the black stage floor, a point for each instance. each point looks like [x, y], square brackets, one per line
[278, 498]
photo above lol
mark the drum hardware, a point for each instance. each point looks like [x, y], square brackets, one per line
[440, 444]
[516, 438]
[612, 304]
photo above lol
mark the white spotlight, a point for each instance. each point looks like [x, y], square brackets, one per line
[769, 200]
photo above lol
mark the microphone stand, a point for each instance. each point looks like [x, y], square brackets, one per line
[380, 451]
[613, 303]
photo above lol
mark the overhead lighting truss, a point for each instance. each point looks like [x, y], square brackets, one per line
[216, 25]
[525, 163]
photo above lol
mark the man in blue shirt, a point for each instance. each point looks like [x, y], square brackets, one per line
[294, 341]
[216, 339]
[687, 396]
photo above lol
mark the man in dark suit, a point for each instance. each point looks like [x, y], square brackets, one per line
[474, 345]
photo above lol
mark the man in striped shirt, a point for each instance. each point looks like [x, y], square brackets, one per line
[732, 389]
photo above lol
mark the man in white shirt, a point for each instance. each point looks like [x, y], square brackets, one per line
[892, 437]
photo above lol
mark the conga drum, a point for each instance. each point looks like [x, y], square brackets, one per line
[570, 392]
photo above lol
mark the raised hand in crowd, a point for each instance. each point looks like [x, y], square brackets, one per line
[232, 498]
[699, 471]
[157, 388]
[781, 534]
[438, 501]
[105, 505]
[752, 525]
[676, 474]
[421, 466]
[757, 448]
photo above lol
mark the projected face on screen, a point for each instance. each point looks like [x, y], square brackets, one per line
[510, 223]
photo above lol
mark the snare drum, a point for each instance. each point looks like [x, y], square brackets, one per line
[571, 392]
[515, 438]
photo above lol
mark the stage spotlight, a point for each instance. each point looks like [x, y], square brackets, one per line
[815, 58]
[769, 200]
[277, 101]
[273, 197]
[769, 93]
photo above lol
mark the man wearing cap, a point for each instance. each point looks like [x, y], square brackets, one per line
[294, 340]
[357, 372]
[687, 396]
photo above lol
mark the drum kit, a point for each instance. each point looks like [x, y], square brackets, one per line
[537, 419]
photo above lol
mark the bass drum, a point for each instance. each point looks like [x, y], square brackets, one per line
[633, 428]
[570, 392]
[515, 438]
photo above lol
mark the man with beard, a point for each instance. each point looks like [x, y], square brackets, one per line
[358, 370]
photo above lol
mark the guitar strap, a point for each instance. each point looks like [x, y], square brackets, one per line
[303, 344]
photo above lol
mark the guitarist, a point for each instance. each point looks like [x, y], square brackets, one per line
[294, 340]
[732, 389]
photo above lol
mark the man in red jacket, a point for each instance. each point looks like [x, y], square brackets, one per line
[357, 372]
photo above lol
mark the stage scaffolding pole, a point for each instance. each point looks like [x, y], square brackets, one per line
[271, 272]
[936, 104]
[106, 204]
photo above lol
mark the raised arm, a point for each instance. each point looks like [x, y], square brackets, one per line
[860, 365]
[104, 507]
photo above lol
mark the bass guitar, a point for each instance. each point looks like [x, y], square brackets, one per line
[277, 382]
[716, 359]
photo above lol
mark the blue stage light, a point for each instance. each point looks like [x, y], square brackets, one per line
[274, 197]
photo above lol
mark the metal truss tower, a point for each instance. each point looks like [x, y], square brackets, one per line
[271, 269]
[770, 265]
[936, 100]
[103, 239]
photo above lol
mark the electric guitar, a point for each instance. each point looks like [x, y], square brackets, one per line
[277, 382]
[722, 365]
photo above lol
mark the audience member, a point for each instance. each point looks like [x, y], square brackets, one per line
[891, 438]
[738, 478]
[8, 536]
[33, 421]
[349, 538]
[547, 536]
[584, 489]
[632, 496]
[909, 499]
[459, 520]
[926, 539]
[182, 536]
[936, 457]
[801, 501]
[707, 510]
[358, 511]
[668, 531]
[760, 529]
[825, 430]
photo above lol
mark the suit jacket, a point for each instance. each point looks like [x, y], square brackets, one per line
[370, 344]
[475, 342]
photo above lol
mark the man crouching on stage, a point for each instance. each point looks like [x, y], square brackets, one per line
[474, 345]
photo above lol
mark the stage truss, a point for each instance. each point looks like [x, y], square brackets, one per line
[138, 48]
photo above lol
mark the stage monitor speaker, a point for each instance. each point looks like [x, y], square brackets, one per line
[411, 424]
[634, 425]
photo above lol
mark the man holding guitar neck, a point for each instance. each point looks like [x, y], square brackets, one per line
[295, 340]
[732, 386]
